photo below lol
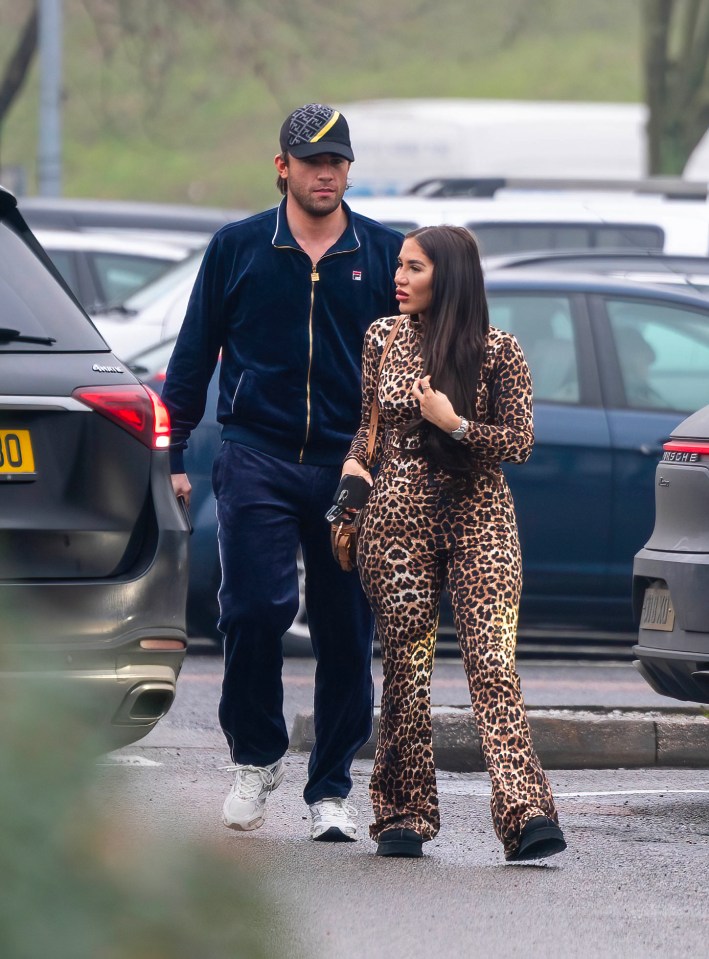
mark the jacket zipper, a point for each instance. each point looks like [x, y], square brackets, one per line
[314, 277]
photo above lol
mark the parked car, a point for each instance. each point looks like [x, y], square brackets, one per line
[670, 187]
[103, 270]
[93, 545]
[616, 365]
[512, 223]
[642, 266]
[518, 222]
[181, 223]
[153, 314]
[671, 572]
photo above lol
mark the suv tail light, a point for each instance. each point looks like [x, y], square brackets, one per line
[686, 446]
[136, 408]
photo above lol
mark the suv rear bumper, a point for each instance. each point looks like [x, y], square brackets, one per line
[122, 687]
[675, 662]
[117, 644]
[676, 674]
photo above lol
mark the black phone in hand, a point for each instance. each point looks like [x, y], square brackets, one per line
[350, 496]
[184, 509]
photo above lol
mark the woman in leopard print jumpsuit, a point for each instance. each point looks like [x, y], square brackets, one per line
[440, 514]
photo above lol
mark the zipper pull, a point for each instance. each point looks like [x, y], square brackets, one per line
[315, 276]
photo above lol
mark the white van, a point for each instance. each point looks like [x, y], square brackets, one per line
[520, 221]
[401, 141]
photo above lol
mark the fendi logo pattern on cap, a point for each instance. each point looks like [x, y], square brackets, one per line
[308, 122]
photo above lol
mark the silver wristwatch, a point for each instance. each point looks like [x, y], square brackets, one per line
[459, 432]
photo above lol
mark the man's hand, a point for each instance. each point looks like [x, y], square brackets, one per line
[435, 406]
[181, 486]
[352, 468]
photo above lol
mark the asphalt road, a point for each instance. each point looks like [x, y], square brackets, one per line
[632, 884]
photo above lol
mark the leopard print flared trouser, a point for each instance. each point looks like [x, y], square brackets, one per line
[414, 540]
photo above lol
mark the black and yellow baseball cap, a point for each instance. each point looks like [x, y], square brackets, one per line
[316, 128]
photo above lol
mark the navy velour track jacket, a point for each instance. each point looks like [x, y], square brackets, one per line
[291, 335]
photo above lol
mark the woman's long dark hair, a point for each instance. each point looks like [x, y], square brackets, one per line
[454, 339]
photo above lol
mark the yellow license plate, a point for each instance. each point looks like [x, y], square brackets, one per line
[16, 456]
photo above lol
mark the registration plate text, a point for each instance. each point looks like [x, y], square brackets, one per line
[16, 455]
[657, 611]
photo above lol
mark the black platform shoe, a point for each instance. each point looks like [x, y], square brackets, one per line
[400, 842]
[541, 837]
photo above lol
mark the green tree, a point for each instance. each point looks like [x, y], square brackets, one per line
[17, 67]
[676, 78]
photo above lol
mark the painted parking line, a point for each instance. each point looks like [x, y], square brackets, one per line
[482, 791]
[636, 792]
[127, 761]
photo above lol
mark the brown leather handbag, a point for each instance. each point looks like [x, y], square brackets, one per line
[343, 539]
[345, 530]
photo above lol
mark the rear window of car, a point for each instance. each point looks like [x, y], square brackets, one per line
[172, 279]
[33, 302]
[516, 237]
[120, 274]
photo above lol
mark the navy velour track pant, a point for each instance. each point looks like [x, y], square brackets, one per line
[266, 508]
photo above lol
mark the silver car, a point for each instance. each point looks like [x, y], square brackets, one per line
[671, 572]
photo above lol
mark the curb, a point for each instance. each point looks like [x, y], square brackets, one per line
[589, 738]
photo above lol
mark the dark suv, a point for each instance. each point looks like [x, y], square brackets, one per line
[93, 544]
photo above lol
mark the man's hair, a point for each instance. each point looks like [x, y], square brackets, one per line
[281, 181]
[454, 336]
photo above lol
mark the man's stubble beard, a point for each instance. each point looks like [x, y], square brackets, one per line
[314, 209]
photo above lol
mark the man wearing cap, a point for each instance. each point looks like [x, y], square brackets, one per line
[287, 296]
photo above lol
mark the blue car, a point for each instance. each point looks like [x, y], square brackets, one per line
[616, 366]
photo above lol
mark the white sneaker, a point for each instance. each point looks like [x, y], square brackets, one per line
[244, 807]
[333, 821]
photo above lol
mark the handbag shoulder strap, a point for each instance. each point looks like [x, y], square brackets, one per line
[374, 414]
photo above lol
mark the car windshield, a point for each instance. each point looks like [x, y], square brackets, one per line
[33, 303]
[164, 284]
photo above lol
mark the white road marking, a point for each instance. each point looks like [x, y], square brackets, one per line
[127, 761]
[459, 788]
[635, 792]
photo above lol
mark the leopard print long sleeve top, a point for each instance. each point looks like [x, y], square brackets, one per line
[502, 429]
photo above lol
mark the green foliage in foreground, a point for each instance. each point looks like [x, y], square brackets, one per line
[82, 881]
[184, 102]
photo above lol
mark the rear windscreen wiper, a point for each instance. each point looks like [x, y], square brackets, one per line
[14, 336]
